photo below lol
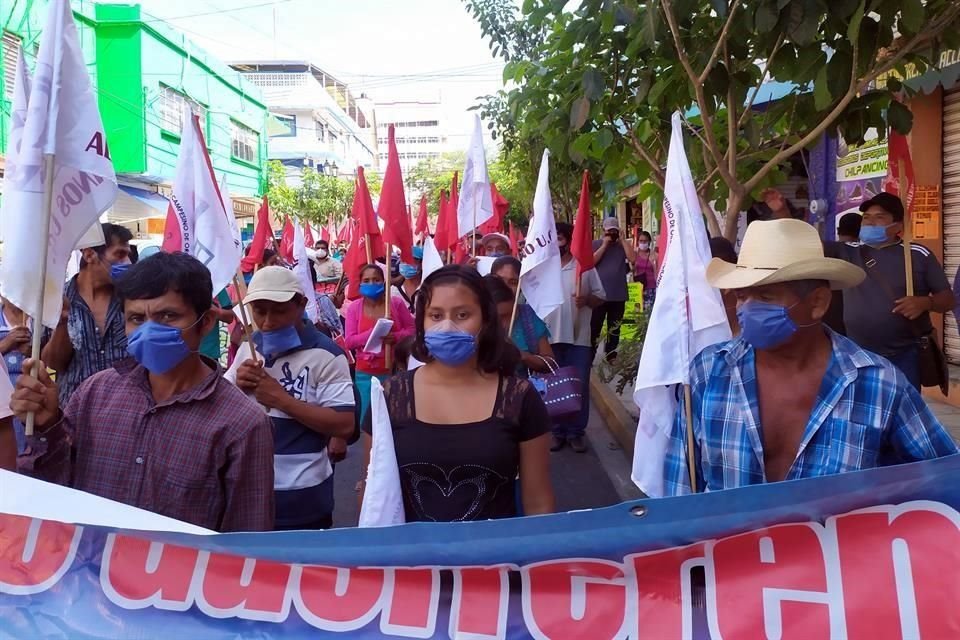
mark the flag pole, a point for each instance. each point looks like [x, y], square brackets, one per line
[691, 459]
[907, 251]
[37, 334]
[242, 292]
[576, 294]
[474, 254]
[387, 351]
[513, 314]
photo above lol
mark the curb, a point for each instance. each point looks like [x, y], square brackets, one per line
[620, 423]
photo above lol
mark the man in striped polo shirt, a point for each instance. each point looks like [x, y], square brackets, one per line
[303, 380]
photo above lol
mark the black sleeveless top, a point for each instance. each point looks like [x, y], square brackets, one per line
[452, 473]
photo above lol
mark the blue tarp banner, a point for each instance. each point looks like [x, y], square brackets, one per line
[873, 554]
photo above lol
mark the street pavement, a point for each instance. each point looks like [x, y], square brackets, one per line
[598, 478]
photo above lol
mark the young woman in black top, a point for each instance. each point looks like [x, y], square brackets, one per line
[463, 425]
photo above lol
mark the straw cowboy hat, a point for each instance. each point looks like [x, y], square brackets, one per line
[782, 251]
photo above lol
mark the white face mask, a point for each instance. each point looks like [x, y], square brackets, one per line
[321, 253]
[644, 246]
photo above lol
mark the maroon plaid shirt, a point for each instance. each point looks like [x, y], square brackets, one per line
[204, 456]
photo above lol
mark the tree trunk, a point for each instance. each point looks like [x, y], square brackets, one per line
[731, 224]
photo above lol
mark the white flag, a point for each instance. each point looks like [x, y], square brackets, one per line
[540, 278]
[382, 497]
[431, 258]
[687, 317]
[207, 232]
[476, 202]
[301, 267]
[55, 117]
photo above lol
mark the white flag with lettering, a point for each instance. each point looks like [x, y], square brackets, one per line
[382, 497]
[687, 317]
[56, 116]
[540, 277]
[301, 267]
[207, 232]
[476, 201]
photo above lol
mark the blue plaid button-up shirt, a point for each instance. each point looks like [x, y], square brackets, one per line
[866, 415]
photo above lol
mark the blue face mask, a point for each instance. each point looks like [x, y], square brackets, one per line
[372, 290]
[409, 270]
[448, 344]
[280, 341]
[765, 325]
[870, 234]
[496, 254]
[158, 347]
[117, 270]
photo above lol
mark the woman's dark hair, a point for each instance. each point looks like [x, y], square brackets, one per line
[162, 272]
[367, 267]
[505, 261]
[646, 234]
[267, 254]
[498, 289]
[401, 352]
[492, 352]
[565, 229]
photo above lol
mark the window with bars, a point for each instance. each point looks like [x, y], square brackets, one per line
[245, 143]
[171, 110]
[321, 131]
[11, 53]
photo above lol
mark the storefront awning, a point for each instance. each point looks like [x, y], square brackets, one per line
[134, 204]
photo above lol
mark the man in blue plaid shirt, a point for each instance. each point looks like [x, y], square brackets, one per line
[789, 398]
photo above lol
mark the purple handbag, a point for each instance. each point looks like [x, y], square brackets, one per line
[561, 389]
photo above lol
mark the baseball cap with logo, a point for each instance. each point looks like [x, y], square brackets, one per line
[275, 284]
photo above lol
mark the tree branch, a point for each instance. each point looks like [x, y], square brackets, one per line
[856, 86]
[712, 144]
[732, 120]
[655, 171]
[763, 77]
[721, 43]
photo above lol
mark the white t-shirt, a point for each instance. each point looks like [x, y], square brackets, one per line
[6, 390]
[563, 328]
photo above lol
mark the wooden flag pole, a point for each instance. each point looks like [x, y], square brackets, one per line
[242, 293]
[691, 458]
[48, 166]
[474, 254]
[366, 243]
[576, 309]
[907, 251]
[513, 314]
[387, 350]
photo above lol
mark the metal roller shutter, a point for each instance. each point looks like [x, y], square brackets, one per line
[951, 211]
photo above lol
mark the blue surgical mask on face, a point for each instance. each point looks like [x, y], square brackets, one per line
[280, 341]
[870, 234]
[496, 254]
[117, 270]
[409, 270]
[765, 325]
[158, 347]
[449, 344]
[372, 290]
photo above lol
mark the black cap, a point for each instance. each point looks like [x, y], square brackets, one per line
[888, 202]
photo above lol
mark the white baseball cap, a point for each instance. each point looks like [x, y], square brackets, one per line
[275, 284]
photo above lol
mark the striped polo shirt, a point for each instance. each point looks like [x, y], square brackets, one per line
[316, 372]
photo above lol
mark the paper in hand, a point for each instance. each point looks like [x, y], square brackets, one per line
[379, 332]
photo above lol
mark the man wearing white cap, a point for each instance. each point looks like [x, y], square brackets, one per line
[789, 398]
[303, 380]
[614, 259]
[495, 245]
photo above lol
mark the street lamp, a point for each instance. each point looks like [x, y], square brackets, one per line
[334, 168]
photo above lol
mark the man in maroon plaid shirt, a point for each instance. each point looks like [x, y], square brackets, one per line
[163, 430]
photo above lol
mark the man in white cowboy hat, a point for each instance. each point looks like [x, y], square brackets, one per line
[789, 398]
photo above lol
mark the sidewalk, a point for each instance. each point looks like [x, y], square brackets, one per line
[948, 415]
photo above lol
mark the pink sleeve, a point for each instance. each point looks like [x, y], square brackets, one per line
[352, 338]
[404, 327]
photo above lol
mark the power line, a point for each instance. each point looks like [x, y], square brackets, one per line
[220, 11]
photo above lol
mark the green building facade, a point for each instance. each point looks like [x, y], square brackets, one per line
[144, 71]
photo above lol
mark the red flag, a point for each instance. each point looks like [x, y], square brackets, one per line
[500, 208]
[392, 208]
[441, 237]
[581, 244]
[325, 234]
[450, 226]
[286, 240]
[344, 234]
[172, 236]
[262, 236]
[366, 219]
[422, 229]
[308, 235]
[352, 262]
[898, 150]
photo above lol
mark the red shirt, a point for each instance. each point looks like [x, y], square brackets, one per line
[204, 456]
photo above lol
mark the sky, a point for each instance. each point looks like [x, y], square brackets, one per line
[389, 49]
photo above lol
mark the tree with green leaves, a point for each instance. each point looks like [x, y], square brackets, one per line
[317, 198]
[598, 84]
